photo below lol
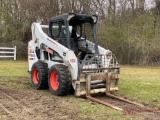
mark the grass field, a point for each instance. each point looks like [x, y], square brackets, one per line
[136, 83]
[141, 84]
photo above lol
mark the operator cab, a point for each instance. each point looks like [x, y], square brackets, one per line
[76, 32]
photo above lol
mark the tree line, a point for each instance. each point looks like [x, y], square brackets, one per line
[127, 27]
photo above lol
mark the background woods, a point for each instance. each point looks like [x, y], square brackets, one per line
[129, 28]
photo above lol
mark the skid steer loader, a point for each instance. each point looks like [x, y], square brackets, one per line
[69, 57]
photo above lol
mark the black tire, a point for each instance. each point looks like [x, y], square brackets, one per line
[59, 80]
[39, 75]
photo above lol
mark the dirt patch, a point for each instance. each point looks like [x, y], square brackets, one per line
[18, 104]
[23, 102]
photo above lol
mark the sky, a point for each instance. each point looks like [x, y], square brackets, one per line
[150, 3]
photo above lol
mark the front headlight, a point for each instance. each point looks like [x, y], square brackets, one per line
[95, 18]
[109, 55]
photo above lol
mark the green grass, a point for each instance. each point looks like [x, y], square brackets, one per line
[139, 84]
[14, 74]
[14, 68]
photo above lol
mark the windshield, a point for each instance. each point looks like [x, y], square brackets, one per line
[84, 35]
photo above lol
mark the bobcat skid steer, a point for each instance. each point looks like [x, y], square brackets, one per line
[69, 57]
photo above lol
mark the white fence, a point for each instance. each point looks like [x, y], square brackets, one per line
[8, 52]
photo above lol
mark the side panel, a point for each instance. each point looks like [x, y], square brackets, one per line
[39, 38]
[32, 57]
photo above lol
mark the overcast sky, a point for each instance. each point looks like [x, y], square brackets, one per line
[150, 3]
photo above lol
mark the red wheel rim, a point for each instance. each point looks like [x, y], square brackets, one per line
[35, 76]
[54, 80]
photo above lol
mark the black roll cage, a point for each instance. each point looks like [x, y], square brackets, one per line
[74, 20]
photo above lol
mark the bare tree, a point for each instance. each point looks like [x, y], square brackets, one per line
[132, 3]
[157, 7]
[111, 10]
[140, 5]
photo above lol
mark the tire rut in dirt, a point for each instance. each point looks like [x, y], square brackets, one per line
[11, 106]
[13, 100]
[39, 106]
[17, 104]
[64, 80]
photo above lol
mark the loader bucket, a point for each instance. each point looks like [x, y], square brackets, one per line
[98, 75]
